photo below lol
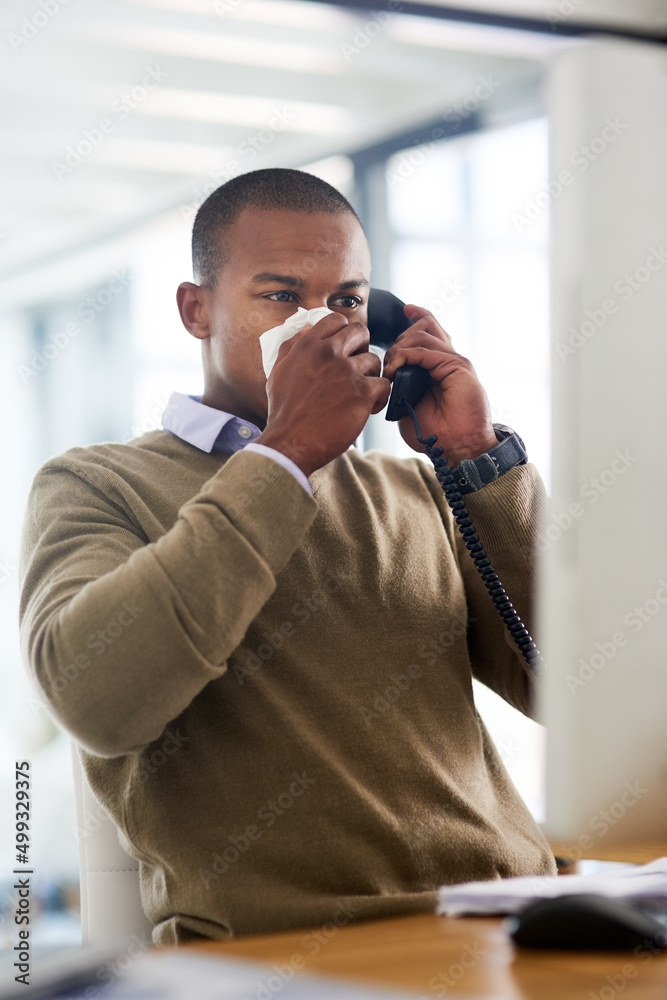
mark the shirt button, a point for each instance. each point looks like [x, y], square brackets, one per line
[245, 431]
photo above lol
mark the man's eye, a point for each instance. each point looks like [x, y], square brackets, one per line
[281, 296]
[348, 301]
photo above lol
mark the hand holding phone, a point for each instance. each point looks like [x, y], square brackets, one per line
[422, 359]
[386, 322]
[441, 385]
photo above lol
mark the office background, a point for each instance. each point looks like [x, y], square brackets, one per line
[120, 116]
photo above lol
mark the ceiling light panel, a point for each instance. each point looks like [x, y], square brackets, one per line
[290, 13]
[248, 111]
[161, 157]
[241, 50]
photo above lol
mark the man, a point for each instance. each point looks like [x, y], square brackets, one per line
[262, 640]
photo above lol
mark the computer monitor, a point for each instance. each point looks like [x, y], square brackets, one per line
[603, 567]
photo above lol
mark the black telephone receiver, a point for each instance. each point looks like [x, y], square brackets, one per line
[386, 321]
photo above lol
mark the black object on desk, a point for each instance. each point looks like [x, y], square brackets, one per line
[588, 922]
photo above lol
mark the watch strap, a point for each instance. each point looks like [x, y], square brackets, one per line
[474, 473]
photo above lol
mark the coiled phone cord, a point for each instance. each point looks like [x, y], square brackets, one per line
[504, 606]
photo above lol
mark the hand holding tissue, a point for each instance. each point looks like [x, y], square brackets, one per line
[271, 340]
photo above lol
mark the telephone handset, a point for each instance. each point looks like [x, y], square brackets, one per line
[386, 321]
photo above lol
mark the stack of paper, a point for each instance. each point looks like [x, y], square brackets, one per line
[511, 895]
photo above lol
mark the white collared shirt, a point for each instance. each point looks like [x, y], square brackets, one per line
[216, 430]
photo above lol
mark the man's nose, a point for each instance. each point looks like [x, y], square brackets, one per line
[314, 301]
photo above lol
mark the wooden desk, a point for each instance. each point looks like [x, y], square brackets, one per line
[433, 957]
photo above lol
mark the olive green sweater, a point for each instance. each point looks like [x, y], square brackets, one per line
[272, 690]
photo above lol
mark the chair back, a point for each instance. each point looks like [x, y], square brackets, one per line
[110, 899]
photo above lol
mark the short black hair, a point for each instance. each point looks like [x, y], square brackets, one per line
[278, 187]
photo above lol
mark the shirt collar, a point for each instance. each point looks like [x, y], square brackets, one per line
[204, 426]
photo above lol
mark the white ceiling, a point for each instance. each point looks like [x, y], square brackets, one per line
[220, 72]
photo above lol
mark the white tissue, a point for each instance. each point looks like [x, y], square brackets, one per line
[271, 340]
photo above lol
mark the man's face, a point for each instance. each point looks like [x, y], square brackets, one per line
[277, 260]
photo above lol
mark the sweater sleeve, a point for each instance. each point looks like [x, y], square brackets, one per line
[121, 634]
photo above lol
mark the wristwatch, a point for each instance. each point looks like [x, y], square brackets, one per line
[474, 473]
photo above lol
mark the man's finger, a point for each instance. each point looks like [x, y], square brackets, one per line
[438, 363]
[421, 318]
[368, 363]
[396, 356]
[352, 339]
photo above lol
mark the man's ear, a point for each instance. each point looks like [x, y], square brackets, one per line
[192, 303]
